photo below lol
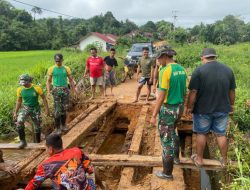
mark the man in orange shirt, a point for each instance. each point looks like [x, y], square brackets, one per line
[68, 169]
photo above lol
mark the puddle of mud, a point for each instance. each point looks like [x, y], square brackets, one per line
[113, 144]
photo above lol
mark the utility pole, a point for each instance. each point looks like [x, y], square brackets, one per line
[174, 15]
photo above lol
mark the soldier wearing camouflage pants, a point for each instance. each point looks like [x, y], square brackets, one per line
[169, 106]
[28, 95]
[60, 91]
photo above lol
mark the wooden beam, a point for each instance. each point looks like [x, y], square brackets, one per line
[72, 138]
[137, 136]
[185, 127]
[9, 146]
[128, 172]
[193, 143]
[82, 116]
[149, 161]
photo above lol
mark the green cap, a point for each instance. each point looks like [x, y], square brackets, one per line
[165, 51]
[25, 79]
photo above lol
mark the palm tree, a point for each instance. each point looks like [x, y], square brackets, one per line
[36, 10]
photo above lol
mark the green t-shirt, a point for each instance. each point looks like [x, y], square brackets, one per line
[173, 80]
[146, 65]
[59, 75]
[30, 95]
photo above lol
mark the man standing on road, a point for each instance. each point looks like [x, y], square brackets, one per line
[95, 67]
[110, 63]
[211, 98]
[66, 168]
[60, 91]
[169, 106]
[146, 65]
[27, 97]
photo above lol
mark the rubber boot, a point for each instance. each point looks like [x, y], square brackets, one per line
[23, 142]
[177, 151]
[37, 137]
[63, 124]
[57, 125]
[168, 165]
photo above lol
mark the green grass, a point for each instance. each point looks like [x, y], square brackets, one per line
[35, 63]
[13, 64]
[237, 57]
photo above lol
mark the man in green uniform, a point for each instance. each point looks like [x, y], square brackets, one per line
[60, 74]
[28, 97]
[146, 64]
[169, 106]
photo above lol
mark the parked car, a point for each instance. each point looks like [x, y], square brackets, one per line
[136, 52]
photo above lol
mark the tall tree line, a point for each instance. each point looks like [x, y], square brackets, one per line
[20, 30]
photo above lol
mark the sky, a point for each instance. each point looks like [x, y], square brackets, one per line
[188, 12]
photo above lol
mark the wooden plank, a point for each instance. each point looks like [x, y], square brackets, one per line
[128, 172]
[72, 138]
[157, 183]
[82, 116]
[149, 161]
[9, 146]
[137, 136]
[32, 156]
[193, 143]
[126, 178]
[185, 127]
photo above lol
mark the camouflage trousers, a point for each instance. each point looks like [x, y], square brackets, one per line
[168, 117]
[61, 100]
[34, 113]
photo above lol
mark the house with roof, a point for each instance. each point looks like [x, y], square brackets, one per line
[103, 41]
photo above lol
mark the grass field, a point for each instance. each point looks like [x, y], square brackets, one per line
[35, 63]
[12, 65]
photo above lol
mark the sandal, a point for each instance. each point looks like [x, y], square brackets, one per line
[194, 159]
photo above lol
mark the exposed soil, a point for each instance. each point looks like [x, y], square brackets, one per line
[113, 134]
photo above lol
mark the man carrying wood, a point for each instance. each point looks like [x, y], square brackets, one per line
[27, 97]
[60, 75]
[169, 106]
[68, 169]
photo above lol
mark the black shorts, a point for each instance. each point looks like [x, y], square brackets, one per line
[144, 80]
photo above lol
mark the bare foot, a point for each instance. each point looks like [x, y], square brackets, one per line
[135, 101]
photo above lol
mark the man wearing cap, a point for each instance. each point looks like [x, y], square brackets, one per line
[169, 106]
[146, 65]
[211, 98]
[27, 97]
[60, 91]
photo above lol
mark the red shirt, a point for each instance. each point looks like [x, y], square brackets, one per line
[95, 65]
[66, 169]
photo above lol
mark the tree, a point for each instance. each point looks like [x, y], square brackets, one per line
[164, 29]
[36, 10]
[149, 27]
